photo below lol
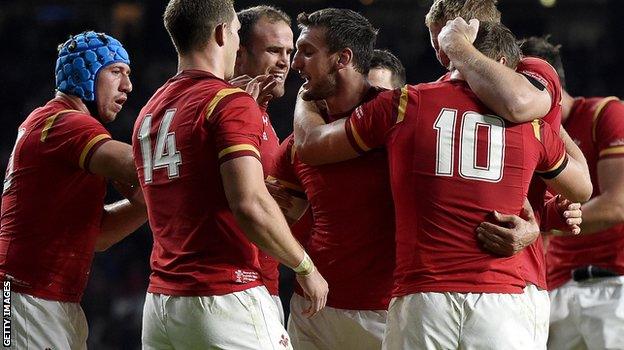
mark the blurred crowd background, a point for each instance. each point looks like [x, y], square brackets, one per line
[590, 31]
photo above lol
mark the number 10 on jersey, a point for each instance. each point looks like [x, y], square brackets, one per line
[165, 152]
[471, 123]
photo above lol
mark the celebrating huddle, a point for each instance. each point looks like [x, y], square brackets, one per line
[410, 214]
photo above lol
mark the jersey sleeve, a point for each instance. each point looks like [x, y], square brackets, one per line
[608, 131]
[73, 137]
[553, 158]
[541, 74]
[236, 121]
[369, 123]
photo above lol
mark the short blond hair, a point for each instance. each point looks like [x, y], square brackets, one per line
[445, 10]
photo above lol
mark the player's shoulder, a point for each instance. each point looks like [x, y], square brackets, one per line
[535, 67]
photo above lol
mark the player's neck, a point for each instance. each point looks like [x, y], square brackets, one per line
[567, 102]
[75, 101]
[200, 60]
[350, 92]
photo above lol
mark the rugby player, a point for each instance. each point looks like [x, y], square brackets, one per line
[451, 161]
[196, 145]
[386, 70]
[53, 214]
[266, 43]
[585, 273]
[351, 239]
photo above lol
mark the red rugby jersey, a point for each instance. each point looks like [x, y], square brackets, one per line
[352, 236]
[540, 71]
[191, 125]
[534, 268]
[269, 144]
[597, 126]
[51, 204]
[451, 163]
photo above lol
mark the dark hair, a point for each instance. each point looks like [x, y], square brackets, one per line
[344, 29]
[190, 23]
[445, 10]
[540, 47]
[384, 59]
[250, 16]
[495, 41]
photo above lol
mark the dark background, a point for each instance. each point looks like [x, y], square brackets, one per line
[589, 30]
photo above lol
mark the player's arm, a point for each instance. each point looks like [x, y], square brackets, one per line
[317, 142]
[607, 209]
[262, 221]
[505, 91]
[113, 160]
[123, 217]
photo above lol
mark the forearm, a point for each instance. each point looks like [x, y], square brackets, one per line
[306, 124]
[574, 151]
[263, 223]
[502, 89]
[120, 219]
[600, 213]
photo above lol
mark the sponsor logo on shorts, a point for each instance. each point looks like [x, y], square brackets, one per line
[284, 341]
[6, 314]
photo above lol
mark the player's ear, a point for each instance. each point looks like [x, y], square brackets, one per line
[503, 60]
[345, 57]
[220, 33]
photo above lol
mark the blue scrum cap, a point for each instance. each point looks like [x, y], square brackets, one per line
[80, 59]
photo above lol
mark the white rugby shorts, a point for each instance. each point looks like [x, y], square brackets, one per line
[335, 328]
[468, 321]
[46, 324]
[587, 315]
[241, 320]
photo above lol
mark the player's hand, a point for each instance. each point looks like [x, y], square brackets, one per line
[133, 193]
[571, 214]
[512, 235]
[241, 81]
[457, 32]
[315, 290]
[260, 88]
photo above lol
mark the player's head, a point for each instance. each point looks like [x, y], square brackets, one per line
[95, 68]
[195, 25]
[331, 40]
[540, 47]
[386, 70]
[266, 43]
[497, 42]
[445, 10]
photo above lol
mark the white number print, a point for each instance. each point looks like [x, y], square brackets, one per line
[165, 154]
[471, 122]
[9, 172]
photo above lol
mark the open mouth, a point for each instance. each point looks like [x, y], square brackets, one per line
[279, 76]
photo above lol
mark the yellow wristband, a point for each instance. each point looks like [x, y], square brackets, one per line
[305, 267]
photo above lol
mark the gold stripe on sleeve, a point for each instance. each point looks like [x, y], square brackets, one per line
[358, 139]
[50, 121]
[611, 150]
[598, 111]
[87, 148]
[402, 104]
[218, 97]
[536, 129]
[236, 148]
